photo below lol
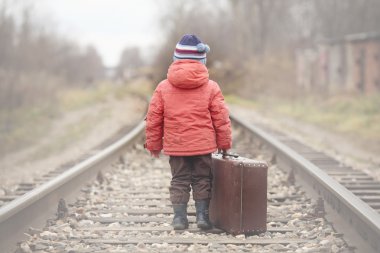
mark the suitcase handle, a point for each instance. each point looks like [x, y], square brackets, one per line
[225, 154]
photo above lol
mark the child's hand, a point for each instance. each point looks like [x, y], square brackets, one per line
[155, 153]
[222, 151]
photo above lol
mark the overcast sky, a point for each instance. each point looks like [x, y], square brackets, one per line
[110, 25]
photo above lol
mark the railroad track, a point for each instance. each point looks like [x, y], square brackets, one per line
[127, 208]
[26, 187]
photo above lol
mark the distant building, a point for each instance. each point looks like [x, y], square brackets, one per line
[348, 64]
[363, 62]
[306, 68]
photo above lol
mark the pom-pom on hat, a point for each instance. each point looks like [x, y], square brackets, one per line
[191, 47]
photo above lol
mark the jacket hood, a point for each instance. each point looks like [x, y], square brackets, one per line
[187, 74]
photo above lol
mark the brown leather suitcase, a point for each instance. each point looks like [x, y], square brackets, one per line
[239, 195]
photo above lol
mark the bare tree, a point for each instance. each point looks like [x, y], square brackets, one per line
[35, 64]
[7, 38]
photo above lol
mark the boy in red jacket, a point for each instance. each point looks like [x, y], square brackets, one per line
[189, 120]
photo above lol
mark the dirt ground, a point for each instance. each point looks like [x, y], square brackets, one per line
[340, 147]
[103, 120]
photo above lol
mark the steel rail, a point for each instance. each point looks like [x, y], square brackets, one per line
[358, 215]
[36, 206]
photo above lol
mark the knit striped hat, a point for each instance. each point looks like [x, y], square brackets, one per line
[190, 47]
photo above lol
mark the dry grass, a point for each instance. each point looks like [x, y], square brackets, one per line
[70, 135]
[354, 116]
[29, 123]
[26, 125]
[77, 98]
[139, 87]
[257, 76]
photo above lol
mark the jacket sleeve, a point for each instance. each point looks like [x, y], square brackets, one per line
[155, 122]
[221, 120]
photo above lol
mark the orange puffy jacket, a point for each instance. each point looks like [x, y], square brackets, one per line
[187, 114]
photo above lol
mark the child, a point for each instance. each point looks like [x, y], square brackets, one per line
[189, 120]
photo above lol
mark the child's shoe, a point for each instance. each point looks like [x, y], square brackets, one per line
[203, 221]
[180, 221]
